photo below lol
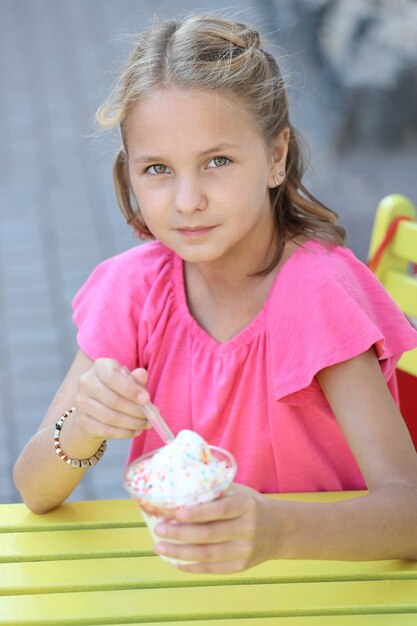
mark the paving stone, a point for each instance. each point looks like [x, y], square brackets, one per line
[37, 368]
[109, 491]
[8, 493]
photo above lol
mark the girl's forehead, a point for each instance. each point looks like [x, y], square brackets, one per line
[177, 114]
[176, 99]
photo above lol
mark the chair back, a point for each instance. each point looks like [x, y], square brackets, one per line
[397, 262]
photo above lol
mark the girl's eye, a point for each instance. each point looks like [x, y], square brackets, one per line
[219, 161]
[158, 168]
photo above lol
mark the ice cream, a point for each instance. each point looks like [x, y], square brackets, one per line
[185, 472]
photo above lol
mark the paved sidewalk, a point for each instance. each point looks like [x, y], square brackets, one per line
[59, 216]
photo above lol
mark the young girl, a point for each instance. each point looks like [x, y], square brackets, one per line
[245, 319]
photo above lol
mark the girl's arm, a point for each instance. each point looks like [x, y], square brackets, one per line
[107, 408]
[382, 524]
[246, 528]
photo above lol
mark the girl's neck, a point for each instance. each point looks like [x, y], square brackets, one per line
[223, 303]
[233, 275]
[231, 280]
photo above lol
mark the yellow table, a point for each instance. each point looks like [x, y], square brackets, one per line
[92, 563]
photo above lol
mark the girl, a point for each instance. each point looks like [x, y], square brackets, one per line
[245, 319]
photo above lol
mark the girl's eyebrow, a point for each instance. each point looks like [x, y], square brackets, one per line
[219, 148]
[145, 158]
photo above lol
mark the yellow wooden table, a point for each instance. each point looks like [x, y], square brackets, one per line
[92, 563]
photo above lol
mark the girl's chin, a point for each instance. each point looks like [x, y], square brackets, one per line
[194, 253]
[197, 257]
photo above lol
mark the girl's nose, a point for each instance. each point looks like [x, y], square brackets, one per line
[189, 196]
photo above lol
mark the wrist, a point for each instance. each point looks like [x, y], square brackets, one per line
[72, 446]
[278, 528]
[78, 434]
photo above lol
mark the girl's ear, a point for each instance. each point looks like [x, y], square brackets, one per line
[279, 157]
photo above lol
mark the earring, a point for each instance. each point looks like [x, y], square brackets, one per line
[282, 174]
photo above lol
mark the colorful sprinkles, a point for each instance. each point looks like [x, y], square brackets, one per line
[185, 471]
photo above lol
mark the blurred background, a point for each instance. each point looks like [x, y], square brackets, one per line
[351, 69]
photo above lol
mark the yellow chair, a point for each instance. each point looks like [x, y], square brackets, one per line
[393, 255]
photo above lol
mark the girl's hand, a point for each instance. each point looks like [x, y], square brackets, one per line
[224, 536]
[108, 401]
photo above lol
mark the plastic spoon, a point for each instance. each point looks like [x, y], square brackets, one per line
[157, 421]
[153, 415]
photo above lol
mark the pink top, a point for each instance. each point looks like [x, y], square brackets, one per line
[257, 394]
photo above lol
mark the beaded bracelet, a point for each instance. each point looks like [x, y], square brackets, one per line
[75, 463]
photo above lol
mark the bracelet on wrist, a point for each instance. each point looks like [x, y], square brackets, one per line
[75, 463]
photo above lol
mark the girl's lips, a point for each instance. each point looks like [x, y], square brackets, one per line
[194, 233]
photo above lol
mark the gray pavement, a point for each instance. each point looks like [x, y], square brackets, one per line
[58, 212]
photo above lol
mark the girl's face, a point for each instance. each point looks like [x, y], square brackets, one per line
[201, 171]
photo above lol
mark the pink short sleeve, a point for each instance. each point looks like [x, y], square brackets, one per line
[106, 314]
[334, 310]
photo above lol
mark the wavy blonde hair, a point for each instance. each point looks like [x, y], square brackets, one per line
[211, 53]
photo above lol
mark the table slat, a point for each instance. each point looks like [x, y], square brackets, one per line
[402, 619]
[75, 544]
[114, 513]
[142, 605]
[71, 515]
[152, 572]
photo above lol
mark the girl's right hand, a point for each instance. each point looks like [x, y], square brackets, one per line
[108, 401]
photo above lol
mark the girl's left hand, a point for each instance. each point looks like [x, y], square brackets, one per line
[224, 536]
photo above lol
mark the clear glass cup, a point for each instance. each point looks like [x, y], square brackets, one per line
[155, 510]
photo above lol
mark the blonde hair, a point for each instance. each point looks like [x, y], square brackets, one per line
[211, 53]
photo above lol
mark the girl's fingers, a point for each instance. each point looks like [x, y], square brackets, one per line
[212, 553]
[120, 380]
[228, 507]
[114, 402]
[101, 420]
[221, 536]
[224, 567]
[122, 399]
[210, 532]
[100, 429]
[117, 418]
[140, 375]
[107, 401]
